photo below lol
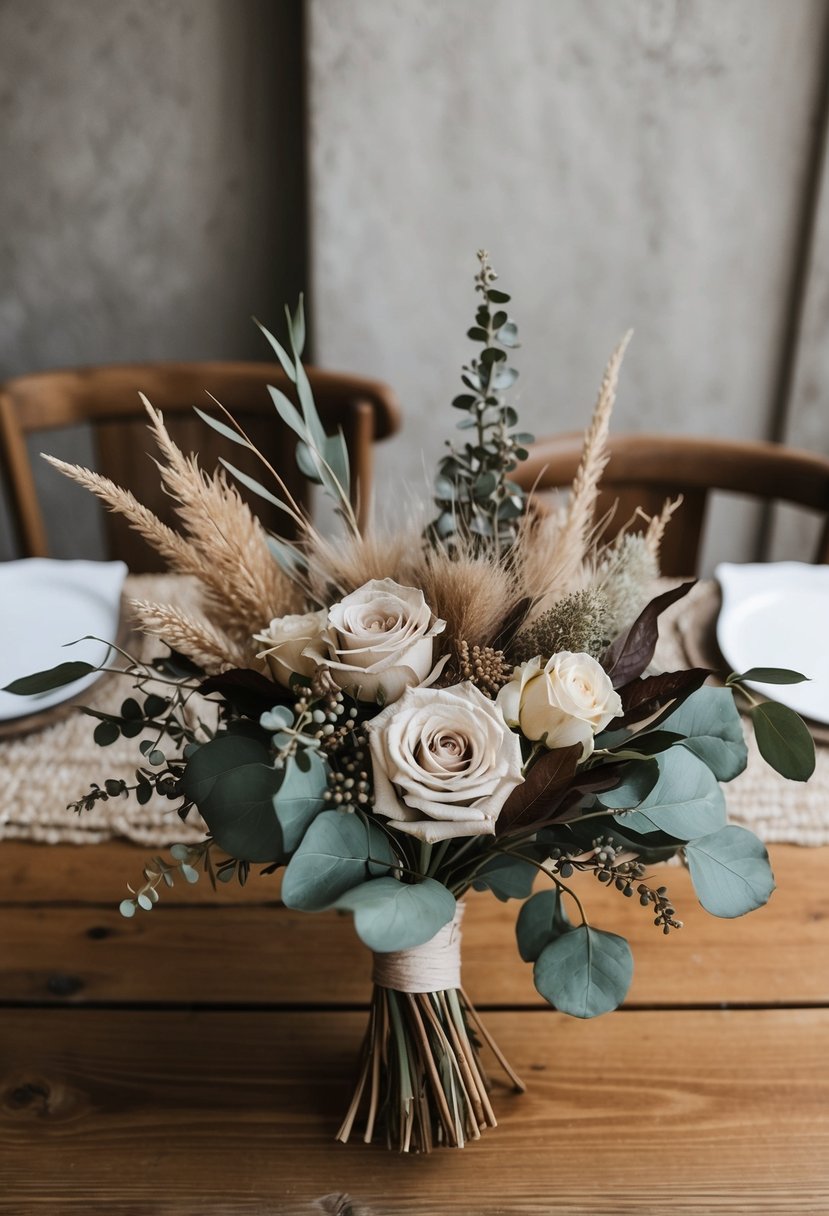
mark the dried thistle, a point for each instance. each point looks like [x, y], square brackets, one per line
[625, 576]
[483, 666]
[580, 622]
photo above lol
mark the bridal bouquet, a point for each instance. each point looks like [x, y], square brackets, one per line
[391, 719]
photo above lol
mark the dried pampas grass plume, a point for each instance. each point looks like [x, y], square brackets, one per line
[191, 635]
[552, 549]
[244, 586]
[167, 543]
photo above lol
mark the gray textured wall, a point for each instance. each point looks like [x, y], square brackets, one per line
[152, 187]
[627, 162]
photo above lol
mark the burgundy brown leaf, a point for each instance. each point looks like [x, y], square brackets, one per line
[563, 808]
[547, 782]
[628, 656]
[643, 697]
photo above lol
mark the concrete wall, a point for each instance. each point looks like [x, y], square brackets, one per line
[152, 187]
[639, 163]
[644, 163]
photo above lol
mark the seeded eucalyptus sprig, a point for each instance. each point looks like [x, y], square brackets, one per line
[475, 498]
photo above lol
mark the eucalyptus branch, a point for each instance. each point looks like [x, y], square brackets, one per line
[476, 500]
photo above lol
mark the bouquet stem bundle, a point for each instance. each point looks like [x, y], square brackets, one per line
[420, 1071]
[420, 1075]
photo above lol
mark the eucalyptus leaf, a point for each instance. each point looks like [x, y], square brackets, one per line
[506, 877]
[638, 780]
[686, 800]
[255, 486]
[730, 871]
[332, 857]
[227, 432]
[541, 920]
[300, 797]
[279, 350]
[784, 740]
[711, 724]
[391, 915]
[585, 972]
[239, 811]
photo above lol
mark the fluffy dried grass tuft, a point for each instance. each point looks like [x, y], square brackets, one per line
[342, 564]
[473, 594]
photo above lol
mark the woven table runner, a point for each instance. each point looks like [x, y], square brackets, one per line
[43, 770]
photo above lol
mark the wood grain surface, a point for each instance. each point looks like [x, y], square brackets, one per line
[208, 1113]
[68, 942]
[195, 1061]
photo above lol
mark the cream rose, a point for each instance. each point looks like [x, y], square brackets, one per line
[444, 762]
[565, 701]
[379, 640]
[286, 639]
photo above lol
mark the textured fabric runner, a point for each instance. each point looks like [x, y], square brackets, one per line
[42, 771]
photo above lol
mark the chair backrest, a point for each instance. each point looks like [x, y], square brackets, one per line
[107, 398]
[644, 470]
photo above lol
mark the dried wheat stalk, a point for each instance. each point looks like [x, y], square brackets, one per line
[191, 635]
[552, 550]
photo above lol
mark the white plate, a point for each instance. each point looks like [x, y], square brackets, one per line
[45, 604]
[776, 614]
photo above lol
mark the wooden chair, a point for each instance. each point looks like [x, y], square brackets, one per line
[107, 398]
[644, 470]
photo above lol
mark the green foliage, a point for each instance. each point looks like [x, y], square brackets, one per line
[730, 871]
[391, 915]
[506, 877]
[339, 851]
[585, 972]
[541, 920]
[638, 781]
[710, 722]
[767, 675]
[53, 677]
[300, 796]
[686, 800]
[475, 498]
[784, 740]
[231, 781]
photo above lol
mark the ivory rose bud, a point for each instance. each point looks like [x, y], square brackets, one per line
[564, 702]
[379, 641]
[286, 638]
[444, 762]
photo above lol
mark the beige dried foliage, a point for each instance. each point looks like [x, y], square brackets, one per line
[657, 524]
[191, 635]
[222, 543]
[342, 564]
[551, 549]
[167, 543]
[473, 594]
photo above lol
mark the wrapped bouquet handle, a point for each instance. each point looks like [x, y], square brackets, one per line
[420, 1075]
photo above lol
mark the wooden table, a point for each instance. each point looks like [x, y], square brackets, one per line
[196, 1060]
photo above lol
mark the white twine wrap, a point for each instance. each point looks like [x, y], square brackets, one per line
[433, 967]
